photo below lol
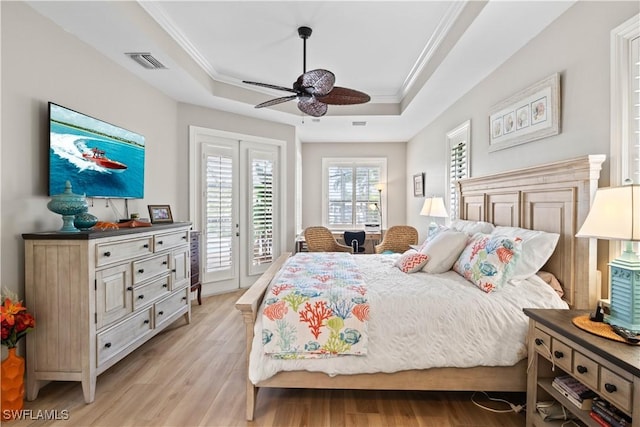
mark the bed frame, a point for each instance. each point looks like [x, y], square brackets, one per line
[553, 197]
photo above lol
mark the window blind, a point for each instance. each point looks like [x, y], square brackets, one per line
[458, 169]
[219, 223]
[262, 210]
[634, 113]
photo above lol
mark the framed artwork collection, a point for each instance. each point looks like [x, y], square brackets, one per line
[531, 114]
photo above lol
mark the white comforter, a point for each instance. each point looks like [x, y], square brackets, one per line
[421, 320]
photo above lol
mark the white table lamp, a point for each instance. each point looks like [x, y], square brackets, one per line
[615, 215]
[434, 207]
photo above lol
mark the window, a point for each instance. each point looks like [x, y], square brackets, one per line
[625, 102]
[350, 192]
[625, 107]
[458, 141]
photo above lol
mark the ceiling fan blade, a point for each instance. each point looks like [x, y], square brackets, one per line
[276, 101]
[287, 89]
[343, 96]
[316, 82]
[311, 106]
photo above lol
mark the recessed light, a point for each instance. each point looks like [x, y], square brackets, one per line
[359, 123]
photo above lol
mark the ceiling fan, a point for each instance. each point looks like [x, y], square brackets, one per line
[314, 89]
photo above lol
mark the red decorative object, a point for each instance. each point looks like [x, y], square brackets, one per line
[12, 386]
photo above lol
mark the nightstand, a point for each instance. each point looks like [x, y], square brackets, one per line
[557, 347]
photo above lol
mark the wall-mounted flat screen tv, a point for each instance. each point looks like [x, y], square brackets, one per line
[98, 158]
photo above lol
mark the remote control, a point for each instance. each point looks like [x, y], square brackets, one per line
[626, 334]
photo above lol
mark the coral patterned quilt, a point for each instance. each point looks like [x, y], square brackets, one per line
[317, 307]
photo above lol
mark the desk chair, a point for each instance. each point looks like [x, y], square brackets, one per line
[397, 239]
[320, 239]
[355, 239]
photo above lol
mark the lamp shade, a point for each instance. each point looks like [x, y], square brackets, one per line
[614, 214]
[434, 206]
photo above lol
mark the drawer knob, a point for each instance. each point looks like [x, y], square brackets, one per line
[581, 369]
[610, 388]
[146, 322]
[107, 254]
[558, 354]
[140, 296]
[184, 237]
[184, 298]
[164, 262]
[164, 285]
[160, 313]
[129, 288]
[146, 245]
[159, 242]
[173, 270]
[141, 270]
[107, 345]
[539, 341]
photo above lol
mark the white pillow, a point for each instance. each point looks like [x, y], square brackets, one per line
[537, 248]
[471, 227]
[443, 250]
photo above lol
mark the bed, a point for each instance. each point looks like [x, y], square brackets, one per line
[554, 198]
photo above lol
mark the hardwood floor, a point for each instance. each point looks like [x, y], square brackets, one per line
[193, 375]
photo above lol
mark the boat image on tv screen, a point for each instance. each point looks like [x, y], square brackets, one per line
[100, 159]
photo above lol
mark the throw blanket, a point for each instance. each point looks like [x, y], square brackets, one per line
[316, 307]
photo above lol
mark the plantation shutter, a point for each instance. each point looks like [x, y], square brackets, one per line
[262, 171]
[633, 157]
[219, 212]
[458, 169]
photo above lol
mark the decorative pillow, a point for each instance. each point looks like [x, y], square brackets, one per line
[443, 250]
[471, 227]
[551, 280]
[411, 261]
[537, 248]
[434, 230]
[488, 260]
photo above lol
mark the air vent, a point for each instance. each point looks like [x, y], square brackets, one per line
[146, 60]
[360, 123]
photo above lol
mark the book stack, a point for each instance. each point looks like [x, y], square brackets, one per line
[608, 415]
[575, 392]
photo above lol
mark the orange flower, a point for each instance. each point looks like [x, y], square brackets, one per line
[15, 322]
[9, 309]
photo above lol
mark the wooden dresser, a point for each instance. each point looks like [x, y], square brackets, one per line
[556, 347]
[98, 295]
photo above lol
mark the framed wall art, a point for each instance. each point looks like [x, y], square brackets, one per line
[418, 184]
[528, 115]
[160, 214]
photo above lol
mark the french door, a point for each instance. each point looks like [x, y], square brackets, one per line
[237, 208]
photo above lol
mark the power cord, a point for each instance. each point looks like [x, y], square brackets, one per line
[514, 408]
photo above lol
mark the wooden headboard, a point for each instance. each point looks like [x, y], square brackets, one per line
[553, 197]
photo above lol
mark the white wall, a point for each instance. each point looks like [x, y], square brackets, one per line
[395, 189]
[577, 46]
[40, 63]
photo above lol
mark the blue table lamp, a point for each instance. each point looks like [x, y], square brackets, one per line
[615, 215]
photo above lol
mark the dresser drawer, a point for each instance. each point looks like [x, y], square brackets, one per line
[542, 342]
[616, 389]
[107, 253]
[562, 355]
[148, 292]
[167, 307]
[170, 240]
[585, 370]
[115, 339]
[150, 267]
